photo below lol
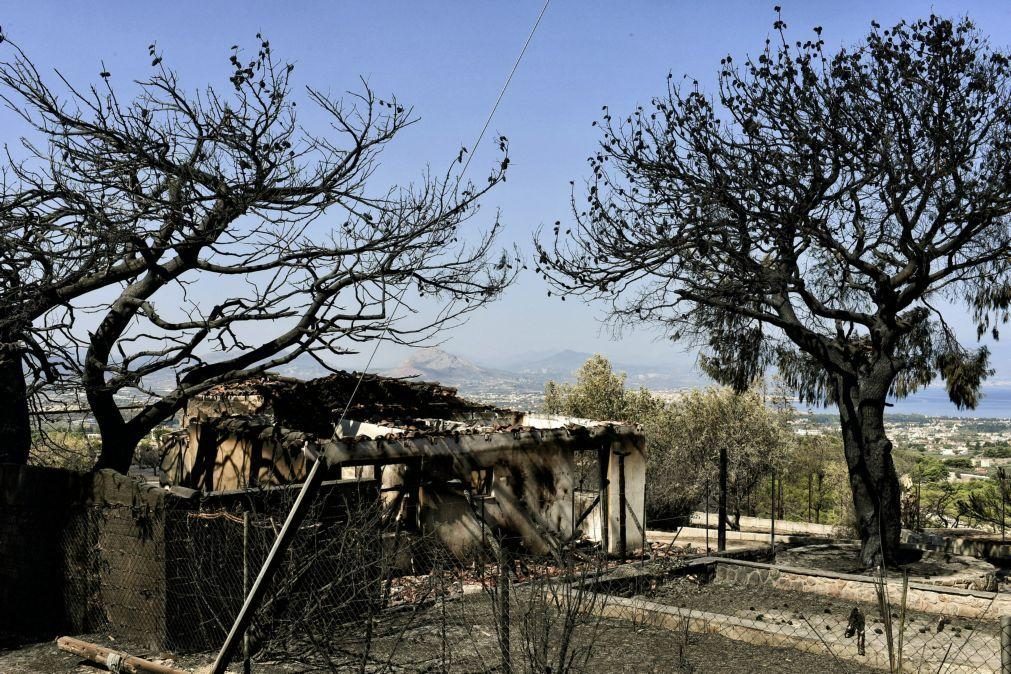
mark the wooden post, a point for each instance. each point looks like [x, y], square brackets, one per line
[643, 525]
[247, 665]
[114, 661]
[295, 517]
[572, 530]
[622, 508]
[603, 460]
[1005, 644]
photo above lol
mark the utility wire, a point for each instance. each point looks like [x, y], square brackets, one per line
[306, 493]
[505, 85]
[470, 156]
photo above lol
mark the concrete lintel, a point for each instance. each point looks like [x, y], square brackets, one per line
[481, 447]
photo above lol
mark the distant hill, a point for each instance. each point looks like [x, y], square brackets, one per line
[437, 365]
[562, 365]
[520, 374]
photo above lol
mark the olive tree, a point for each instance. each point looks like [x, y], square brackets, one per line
[732, 440]
[817, 214]
[712, 441]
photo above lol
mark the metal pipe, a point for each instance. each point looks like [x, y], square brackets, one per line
[721, 505]
[295, 517]
[772, 516]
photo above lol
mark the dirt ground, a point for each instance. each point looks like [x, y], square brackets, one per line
[463, 639]
[928, 639]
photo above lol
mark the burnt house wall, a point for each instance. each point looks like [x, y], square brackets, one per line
[80, 552]
[152, 567]
[129, 531]
[37, 507]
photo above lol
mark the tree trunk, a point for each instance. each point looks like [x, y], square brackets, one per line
[873, 480]
[15, 426]
[118, 440]
[118, 447]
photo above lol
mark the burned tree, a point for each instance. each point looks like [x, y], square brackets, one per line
[258, 241]
[818, 216]
[54, 249]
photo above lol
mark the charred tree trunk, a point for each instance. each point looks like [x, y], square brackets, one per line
[118, 445]
[119, 440]
[873, 480]
[15, 426]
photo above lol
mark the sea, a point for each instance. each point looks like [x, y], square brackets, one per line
[934, 402]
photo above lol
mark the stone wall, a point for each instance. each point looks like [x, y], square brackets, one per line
[763, 525]
[36, 508]
[921, 597]
[970, 542]
[81, 553]
[129, 534]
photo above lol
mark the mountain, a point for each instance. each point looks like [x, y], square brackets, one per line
[559, 364]
[437, 365]
[562, 365]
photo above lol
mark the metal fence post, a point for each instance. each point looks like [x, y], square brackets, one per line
[707, 516]
[505, 613]
[1005, 644]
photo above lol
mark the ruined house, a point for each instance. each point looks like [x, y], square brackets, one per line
[445, 465]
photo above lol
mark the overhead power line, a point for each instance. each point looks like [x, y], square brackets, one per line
[313, 479]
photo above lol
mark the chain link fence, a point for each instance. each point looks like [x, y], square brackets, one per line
[361, 590]
[847, 625]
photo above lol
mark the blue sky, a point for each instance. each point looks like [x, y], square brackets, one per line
[448, 59]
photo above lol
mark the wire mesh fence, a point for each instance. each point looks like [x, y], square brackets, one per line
[884, 629]
[359, 589]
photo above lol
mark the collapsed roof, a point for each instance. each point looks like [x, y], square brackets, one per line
[315, 406]
[446, 454]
